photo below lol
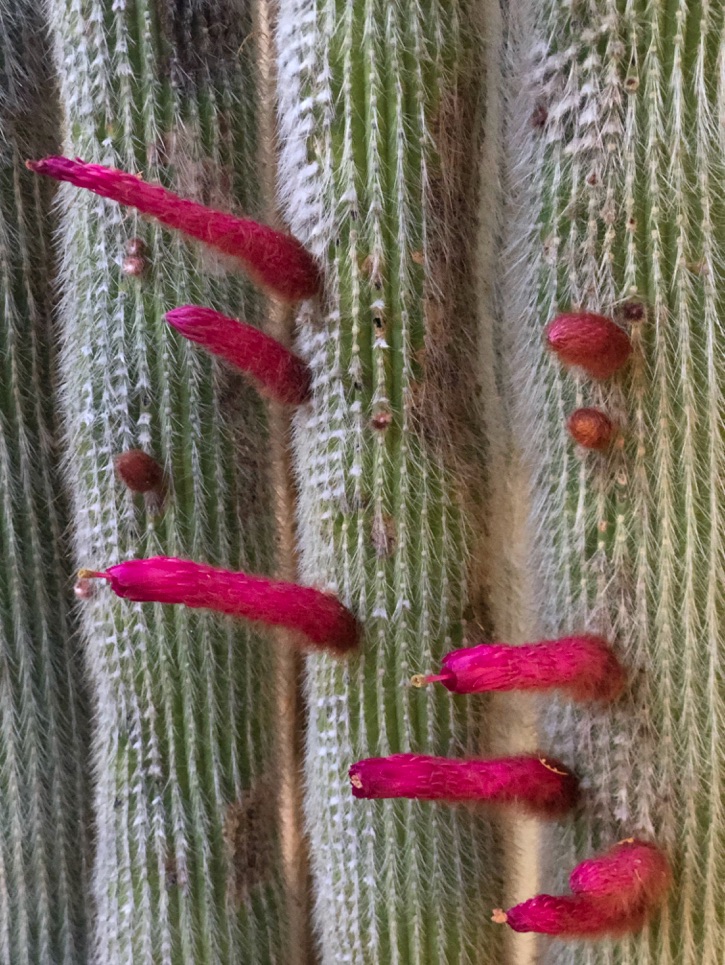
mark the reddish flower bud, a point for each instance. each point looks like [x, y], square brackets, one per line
[632, 873]
[319, 616]
[272, 259]
[591, 428]
[139, 471]
[540, 785]
[614, 894]
[283, 376]
[568, 917]
[593, 342]
[584, 666]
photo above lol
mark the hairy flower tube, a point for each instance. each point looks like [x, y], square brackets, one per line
[631, 873]
[272, 259]
[281, 374]
[584, 666]
[319, 616]
[539, 785]
[591, 342]
[616, 893]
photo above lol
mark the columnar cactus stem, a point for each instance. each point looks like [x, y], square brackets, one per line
[45, 825]
[187, 867]
[377, 124]
[614, 162]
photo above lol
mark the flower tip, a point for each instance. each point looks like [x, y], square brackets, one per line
[499, 916]
[422, 680]
[592, 342]
[84, 574]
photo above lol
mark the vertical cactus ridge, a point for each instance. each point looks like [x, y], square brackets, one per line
[44, 812]
[614, 157]
[186, 865]
[367, 94]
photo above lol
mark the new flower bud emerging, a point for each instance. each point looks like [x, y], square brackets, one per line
[584, 666]
[281, 374]
[592, 342]
[319, 616]
[274, 260]
[591, 428]
[139, 471]
[539, 785]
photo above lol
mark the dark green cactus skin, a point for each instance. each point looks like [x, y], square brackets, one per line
[44, 804]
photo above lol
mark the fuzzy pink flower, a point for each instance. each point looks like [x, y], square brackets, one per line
[632, 873]
[593, 342]
[591, 428]
[282, 375]
[162, 579]
[584, 666]
[539, 785]
[568, 917]
[274, 260]
[615, 894]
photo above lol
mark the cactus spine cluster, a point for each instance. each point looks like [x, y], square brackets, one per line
[613, 157]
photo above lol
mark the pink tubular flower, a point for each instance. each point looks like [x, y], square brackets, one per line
[584, 666]
[162, 579]
[568, 917]
[539, 785]
[614, 894]
[282, 375]
[593, 342]
[630, 874]
[274, 260]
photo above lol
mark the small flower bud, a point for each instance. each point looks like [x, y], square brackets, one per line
[592, 342]
[133, 265]
[319, 616]
[139, 471]
[274, 260]
[584, 666]
[280, 374]
[591, 428]
[539, 785]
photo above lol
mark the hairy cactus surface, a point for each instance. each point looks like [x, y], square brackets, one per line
[613, 168]
[378, 124]
[187, 851]
[44, 814]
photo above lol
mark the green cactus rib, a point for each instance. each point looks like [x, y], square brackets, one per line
[44, 812]
[186, 868]
[364, 92]
[615, 164]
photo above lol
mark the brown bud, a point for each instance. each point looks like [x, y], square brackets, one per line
[592, 342]
[133, 265]
[381, 418]
[136, 246]
[591, 428]
[84, 588]
[139, 471]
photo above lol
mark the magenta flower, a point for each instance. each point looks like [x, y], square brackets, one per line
[319, 616]
[592, 342]
[584, 666]
[273, 260]
[539, 785]
[632, 873]
[281, 374]
[615, 894]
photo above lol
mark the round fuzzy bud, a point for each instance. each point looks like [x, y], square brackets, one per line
[84, 588]
[139, 471]
[591, 342]
[591, 428]
[133, 265]
[137, 247]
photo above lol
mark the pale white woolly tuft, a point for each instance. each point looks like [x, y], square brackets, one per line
[612, 165]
